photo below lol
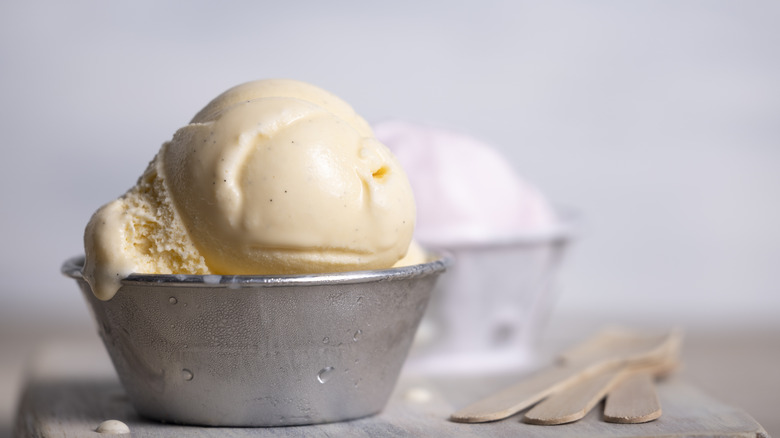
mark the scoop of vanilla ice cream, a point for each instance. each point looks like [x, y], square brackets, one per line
[466, 192]
[271, 177]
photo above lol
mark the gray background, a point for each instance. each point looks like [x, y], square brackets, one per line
[659, 121]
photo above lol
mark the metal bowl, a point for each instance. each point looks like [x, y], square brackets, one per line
[488, 313]
[261, 350]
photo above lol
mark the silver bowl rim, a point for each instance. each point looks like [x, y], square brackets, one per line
[440, 261]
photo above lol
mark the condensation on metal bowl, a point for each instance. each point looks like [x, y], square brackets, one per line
[261, 350]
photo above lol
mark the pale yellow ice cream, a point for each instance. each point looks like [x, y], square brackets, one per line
[271, 177]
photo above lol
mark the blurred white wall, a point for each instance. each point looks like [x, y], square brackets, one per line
[660, 121]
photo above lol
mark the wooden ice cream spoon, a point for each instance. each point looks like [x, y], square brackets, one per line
[634, 400]
[576, 401]
[608, 351]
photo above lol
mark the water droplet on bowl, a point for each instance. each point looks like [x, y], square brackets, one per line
[173, 300]
[325, 374]
[325, 340]
[187, 374]
[357, 335]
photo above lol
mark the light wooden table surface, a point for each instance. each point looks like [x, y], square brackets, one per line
[721, 370]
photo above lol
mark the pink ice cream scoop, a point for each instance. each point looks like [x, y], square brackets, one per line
[466, 192]
[507, 242]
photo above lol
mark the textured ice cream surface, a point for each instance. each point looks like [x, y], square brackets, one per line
[271, 177]
[466, 192]
[139, 232]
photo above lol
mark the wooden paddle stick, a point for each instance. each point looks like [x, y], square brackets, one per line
[634, 400]
[599, 356]
[576, 401]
